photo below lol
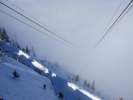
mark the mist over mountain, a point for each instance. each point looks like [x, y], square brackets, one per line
[82, 23]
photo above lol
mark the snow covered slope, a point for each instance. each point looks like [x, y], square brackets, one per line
[28, 87]
[33, 79]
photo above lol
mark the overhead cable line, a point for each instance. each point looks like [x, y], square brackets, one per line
[112, 25]
[114, 15]
[36, 23]
[22, 10]
[36, 29]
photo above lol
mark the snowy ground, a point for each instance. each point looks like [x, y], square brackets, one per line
[30, 83]
[28, 87]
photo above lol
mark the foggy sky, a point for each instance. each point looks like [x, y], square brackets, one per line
[81, 22]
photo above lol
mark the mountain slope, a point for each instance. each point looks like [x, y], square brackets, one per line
[28, 87]
[37, 81]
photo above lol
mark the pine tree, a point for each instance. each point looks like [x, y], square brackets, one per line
[93, 86]
[1, 53]
[86, 83]
[0, 30]
[15, 74]
[0, 33]
[33, 52]
[4, 35]
[17, 45]
[61, 96]
[44, 86]
[27, 50]
[23, 49]
[76, 78]
[121, 98]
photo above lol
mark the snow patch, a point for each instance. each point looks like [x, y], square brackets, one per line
[20, 53]
[75, 87]
[40, 66]
[53, 75]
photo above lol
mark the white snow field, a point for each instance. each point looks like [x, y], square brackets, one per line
[29, 86]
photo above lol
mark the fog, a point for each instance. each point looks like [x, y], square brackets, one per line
[81, 22]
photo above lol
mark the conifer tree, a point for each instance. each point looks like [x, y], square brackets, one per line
[61, 96]
[121, 98]
[87, 84]
[15, 74]
[4, 35]
[93, 86]
[44, 86]
[27, 50]
[76, 78]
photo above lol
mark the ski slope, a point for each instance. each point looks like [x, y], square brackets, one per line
[28, 87]
[34, 77]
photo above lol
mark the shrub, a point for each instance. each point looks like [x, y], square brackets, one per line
[61, 96]
[44, 86]
[15, 74]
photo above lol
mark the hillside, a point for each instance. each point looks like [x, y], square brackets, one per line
[36, 81]
[29, 86]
